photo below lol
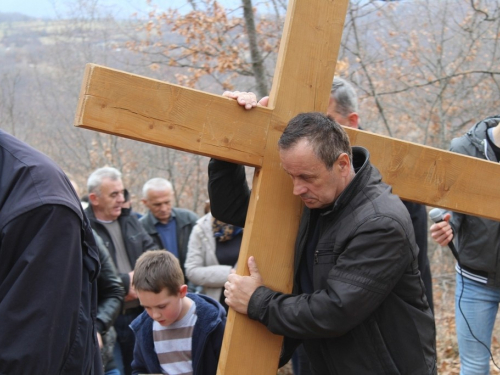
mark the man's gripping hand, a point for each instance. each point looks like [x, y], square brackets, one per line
[238, 289]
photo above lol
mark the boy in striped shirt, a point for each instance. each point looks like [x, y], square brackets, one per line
[179, 333]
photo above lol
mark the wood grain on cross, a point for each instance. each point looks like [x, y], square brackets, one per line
[169, 115]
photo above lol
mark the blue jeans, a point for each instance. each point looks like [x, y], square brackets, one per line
[479, 305]
[117, 353]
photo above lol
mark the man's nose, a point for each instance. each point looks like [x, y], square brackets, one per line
[121, 198]
[298, 188]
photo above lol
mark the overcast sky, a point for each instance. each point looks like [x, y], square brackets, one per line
[121, 8]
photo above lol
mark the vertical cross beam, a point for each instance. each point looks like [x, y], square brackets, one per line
[306, 65]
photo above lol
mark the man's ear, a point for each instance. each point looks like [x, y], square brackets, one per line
[183, 290]
[353, 120]
[93, 199]
[145, 202]
[344, 163]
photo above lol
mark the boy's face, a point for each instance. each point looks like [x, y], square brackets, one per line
[163, 307]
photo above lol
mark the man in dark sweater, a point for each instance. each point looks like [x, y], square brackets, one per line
[49, 265]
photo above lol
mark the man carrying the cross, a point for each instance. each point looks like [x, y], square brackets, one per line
[358, 302]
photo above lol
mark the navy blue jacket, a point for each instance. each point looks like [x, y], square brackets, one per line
[48, 269]
[206, 344]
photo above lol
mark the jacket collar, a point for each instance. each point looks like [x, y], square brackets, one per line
[89, 211]
[363, 170]
[155, 221]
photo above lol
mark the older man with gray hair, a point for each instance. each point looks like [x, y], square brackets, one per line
[126, 240]
[169, 227]
[343, 104]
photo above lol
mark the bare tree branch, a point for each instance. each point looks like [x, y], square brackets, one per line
[487, 16]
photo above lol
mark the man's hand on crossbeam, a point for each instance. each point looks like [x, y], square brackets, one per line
[246, 99]
[238, 289]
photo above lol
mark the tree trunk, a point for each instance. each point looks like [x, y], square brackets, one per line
[257, 62]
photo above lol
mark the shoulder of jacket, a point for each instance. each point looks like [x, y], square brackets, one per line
[185, 215]
[183, 211]
[467, 144]
[146, 219]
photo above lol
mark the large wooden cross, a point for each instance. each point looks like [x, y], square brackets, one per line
[169, 115]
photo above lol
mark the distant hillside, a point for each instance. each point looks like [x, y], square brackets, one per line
[14, 17]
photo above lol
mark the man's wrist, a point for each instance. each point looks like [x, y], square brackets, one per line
[257, 302]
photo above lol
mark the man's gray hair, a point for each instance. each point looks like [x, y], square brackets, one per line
[95, 179]
[156, 184]
[345, 97]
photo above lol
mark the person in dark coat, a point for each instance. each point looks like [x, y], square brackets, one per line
[49, 264]
[358, 304]
[109, 305]
[125, 240]
[343, 108]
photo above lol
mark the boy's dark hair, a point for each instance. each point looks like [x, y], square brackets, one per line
[156, 270]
